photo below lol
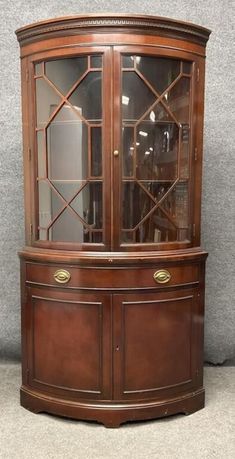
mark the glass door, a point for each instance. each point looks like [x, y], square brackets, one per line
[154, 139]
[72, 96]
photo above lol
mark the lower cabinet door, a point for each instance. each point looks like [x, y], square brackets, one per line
[68, 343]
[158, 342]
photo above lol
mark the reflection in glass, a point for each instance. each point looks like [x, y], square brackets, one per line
[128, 237]
[87, 97]
[155, 203]
[160, 72]
[65, 72]
[176, 205]
[184, 153]
[128, 151]
[67, 146]
[159, 114]
[88, 204]
[47, 101]
[136, 96]
[157, 151]
[157, 228]
[136, 204]
[96, 151]
[127, 61]
[177, 100]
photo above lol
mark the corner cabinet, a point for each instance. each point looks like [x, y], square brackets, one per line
[112, 271]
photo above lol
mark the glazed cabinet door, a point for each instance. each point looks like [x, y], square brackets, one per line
[70, 148]
[68, 343]
[153, 133]
[157, 343]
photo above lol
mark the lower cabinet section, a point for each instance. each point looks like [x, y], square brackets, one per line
[112, 357]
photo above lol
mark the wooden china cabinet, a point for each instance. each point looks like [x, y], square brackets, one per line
[112, 272]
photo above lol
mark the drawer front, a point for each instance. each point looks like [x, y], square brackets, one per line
[68, 276]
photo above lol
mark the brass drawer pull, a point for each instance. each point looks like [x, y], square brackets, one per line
[162, 276]
[62, 276]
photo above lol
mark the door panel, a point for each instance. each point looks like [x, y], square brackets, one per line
[153, 106]
[155, 343]
[72, 149]
[69, 343]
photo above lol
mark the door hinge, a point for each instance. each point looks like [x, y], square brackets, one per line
[195, 154]
[194, 230]
[27, 75]
[29, 154]
[198, 74]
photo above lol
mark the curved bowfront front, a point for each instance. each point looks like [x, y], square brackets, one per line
[112, 272]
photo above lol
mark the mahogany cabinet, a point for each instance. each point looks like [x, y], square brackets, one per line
[112, 271]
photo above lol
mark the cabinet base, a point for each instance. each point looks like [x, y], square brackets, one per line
[112, 415]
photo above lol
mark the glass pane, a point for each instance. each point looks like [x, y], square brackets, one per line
[96, 61]
[96, 237]
[38, 69]
[67, 228]
[128, 237]
[67, 189]
[177, 100]
[67, 146]
[176, 205]
[157, 189]
[157, 228]
[96, 152]
[41, 154]
[136, 96]
[50, 204]
[47, 101]
[87, 97]
[160, 72]
[128, 151]
[136, 204]
[155, 144]
[88, 204]
[157, 151]
[65, 72]
[187, 67]
[127, 61]
[184, 154]
[158, 114]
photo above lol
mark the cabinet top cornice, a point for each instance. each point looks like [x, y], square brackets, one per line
[96, 23]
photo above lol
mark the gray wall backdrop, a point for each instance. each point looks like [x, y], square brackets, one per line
[218, 213]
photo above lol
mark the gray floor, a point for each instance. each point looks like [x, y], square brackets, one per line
[209, 433]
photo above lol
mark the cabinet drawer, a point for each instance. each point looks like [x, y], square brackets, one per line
[112, 277]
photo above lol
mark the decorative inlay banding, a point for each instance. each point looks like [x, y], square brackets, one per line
[179, 29]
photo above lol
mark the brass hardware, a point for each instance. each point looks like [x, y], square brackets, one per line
[115, 153]
[162, 276]
[62, 276]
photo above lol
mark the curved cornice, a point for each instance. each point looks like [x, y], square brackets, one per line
[73, 25]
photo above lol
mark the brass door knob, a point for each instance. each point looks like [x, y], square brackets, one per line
[115, 153]
[162, 276]
[62, 276]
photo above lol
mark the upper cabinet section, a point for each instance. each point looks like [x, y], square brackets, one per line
[112, 127]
